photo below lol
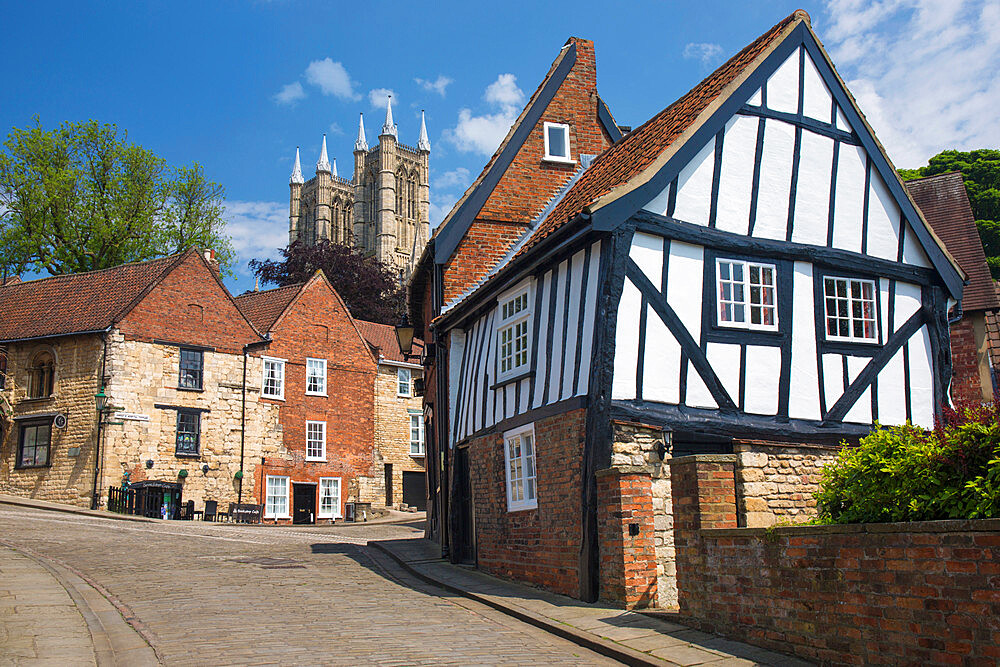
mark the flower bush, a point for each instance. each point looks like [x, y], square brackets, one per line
[904, 473]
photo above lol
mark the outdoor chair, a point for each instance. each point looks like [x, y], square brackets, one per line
[211, 510]
[187, 512]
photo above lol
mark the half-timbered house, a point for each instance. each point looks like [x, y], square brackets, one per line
[744, 273]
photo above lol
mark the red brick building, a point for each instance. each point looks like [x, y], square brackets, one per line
[975, 339]
[321, 373]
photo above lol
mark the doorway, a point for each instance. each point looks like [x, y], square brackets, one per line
[303, 503]
[388, 485]
[464, 541]
[415, 490]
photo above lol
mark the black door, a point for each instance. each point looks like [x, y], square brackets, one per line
[465, 538]
[415, 490]
[303, 503]
[388, 485]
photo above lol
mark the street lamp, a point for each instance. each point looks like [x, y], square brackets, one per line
[101, 399]
[404, 337]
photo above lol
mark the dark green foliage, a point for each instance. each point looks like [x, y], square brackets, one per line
[981, 171]
[906, 474]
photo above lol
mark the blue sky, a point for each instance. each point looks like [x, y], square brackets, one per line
[236, 86]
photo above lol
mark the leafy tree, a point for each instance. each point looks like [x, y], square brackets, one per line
[81, 197]
[369, 287]
[981, 171]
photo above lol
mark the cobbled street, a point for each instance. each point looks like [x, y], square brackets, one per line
[212, 594]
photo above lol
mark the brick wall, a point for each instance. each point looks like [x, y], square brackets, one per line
[775, 482]
[530, 182]
[392, 427]
[628, 571]
[538, 546]
[68, 478]
[920, 593]
[317, 325]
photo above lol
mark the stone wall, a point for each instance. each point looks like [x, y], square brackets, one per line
[775, 482]
[142, 379]
[921, 593]
[392, 428]
[69, 476]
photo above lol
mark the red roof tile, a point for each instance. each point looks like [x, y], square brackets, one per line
[945, 204]
[264, 308]
[383, 337]
[642, 146]
[76, 303]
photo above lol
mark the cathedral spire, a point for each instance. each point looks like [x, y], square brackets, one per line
[389, 127]
[334, 172]
[361, 144]
[324, 162]
[296, 178]
[423, 144]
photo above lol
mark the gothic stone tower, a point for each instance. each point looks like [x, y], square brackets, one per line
[383, 209]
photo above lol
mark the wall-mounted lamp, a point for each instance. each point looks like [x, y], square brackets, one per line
[666, 444]
[404, 338]
[149, 463]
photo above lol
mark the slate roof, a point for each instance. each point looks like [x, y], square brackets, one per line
[77, 303]
[264, 308]
[383, 337]
[635, 152]
[945, 204]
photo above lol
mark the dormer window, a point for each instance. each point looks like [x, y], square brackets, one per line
[557, 142]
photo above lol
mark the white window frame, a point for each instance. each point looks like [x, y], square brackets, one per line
[747, 303]
[335, 512]
[421, 441]
[322, 362]
[409, 382]
[269, 510]
[850, 311]
[263, 381]
[322, 455]
[510, 323]
[568, 158]
[525, 473]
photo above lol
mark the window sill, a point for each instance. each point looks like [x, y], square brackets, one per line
[418, 456]
[195, 389]
[38, 399]
[522, 508]
[46, 465]
[513, 378]
[313, 393]
[183, 455]
[315, 459]
[273, 398]
[558, 160]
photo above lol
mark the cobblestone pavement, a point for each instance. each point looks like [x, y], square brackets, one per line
[210, 594]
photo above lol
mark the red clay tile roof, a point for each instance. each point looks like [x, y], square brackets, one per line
[642, 146]
[75, 303]
[264, 308]
[383, 337]
[945, 204]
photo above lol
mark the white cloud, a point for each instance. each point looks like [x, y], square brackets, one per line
[331, 78]
[290, 94]
[923, 71]
[335, 129]
[441, 205]
[455, 178]
[377, 97]
[707, 53]
[437, 86]
[257, 228]
[482, 134]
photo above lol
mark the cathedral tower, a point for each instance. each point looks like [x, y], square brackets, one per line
[383, 209]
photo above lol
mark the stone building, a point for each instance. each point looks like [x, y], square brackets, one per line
[169, 348]
[321, 375]
[382, 208]
[399, 418]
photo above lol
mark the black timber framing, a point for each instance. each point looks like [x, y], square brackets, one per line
[608, 122]
[451, 234]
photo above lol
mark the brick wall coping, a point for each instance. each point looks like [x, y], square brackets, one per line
[629, 422]
[945, 526]
[785, 446]
[703, 458]
[627, 470]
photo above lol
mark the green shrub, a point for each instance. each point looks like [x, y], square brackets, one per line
[904, 473]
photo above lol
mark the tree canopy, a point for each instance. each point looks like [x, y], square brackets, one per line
[981, 171]
[368, 287]
[81, 197]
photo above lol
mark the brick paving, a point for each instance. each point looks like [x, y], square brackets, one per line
[226, 594]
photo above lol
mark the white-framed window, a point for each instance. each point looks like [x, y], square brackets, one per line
[519, 455]
[273, 384]
[514, 333]
[329, 498]
[404, 382]
[276, 497]
[557, 142]
[850, 309]
[315, 441]
[747, 294]
[316, 377]
[416, 434]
